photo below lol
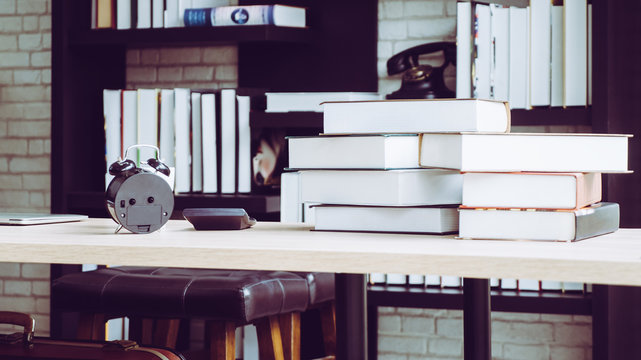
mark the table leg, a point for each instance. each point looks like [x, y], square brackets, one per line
[351, 316]
[477, 326]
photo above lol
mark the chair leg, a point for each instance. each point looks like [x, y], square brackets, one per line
[91, 327]
[147, 332]
[290, 334]
[222, 340]
[270, 343]
[328, 323]
[166, 332]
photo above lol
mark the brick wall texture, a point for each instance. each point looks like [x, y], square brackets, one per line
[25, 115]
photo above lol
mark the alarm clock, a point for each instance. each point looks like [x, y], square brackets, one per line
[140, 198]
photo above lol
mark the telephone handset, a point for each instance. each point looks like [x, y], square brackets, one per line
[422, 81]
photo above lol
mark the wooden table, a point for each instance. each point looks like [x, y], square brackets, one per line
[611, 259]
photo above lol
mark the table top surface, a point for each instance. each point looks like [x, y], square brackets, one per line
[609, 259]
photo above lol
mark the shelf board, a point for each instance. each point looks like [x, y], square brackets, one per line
[302, 119]
[546, 302]
[547, 116]
[191, 35]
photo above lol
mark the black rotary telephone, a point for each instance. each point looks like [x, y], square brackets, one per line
[422, 81]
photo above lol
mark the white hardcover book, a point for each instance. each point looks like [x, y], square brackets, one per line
[414, 279]
[244, 145]
[509, 284]
[396, 279]
[144, 14]
[500, 68]
[463, 50]
[123, 16]
[572, 286]
[157, 13]
[437, 220]
[167, 144]
[529, 284]
[171, 14]
[415, 116]
[279, 15]
[451, 281]
[551, 285]
[376, 278]
[111, 110]
[483, 60]
[432, 280]
[182, 121]
[311, 101]
[556, 63]
[589, 54]
[518, 84]
[210, 161]
[129, 122]
[546, 152]
[494, 282]
[381, 187]
[575, 52]
[540, 15]
[196, 143]
[147, 122]
[291, 209]
[228, 140]
[309, 212]
[393, 151]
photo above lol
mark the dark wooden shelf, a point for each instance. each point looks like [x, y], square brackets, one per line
[191, 36]
[546, 116]
[302, 119]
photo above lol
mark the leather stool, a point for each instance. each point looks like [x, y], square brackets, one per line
[321, 298]
[225, 298]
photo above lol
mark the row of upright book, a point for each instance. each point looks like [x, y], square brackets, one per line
[146, 14]
[538, 55]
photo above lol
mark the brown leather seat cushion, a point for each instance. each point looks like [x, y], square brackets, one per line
[321, 286]
[234, 295]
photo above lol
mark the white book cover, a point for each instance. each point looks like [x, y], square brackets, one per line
[158, 13]
[589, 54]
[171, 14]
[144, 14]
[147, 122]
[556, 63]
[415, 116]
[382, 187]
[464, 50]
[244, 145]
[210, 161]
[396, 279]
[196, 143]
[123, 16]
[129, 122]
[395, 151]
[483, 45]
[182, 121]
[540, 17]
[500, 68]
[167, 144]
[311, 101]
[575, 52]
[555, 152]
[309, 212]
[111, 111]
[291, 209]
[228, 140]
[279, 15]
[518, 83]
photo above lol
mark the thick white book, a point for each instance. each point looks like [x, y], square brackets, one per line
[529, 285]
[144, 14]
[111, 101]
[464, 50]
[396, 279]
[392, 151]
[171, 14]
[575, 52]
[311, 101]
[158, 13]
[309, 212]
[551, 285]
[416, 280]
[556, 55]
[244, 145]
[129, 122]
[500, 67]
[451, 281]
[182, 121]
[589, 54]
[556, 152]
[196, 143]
[540, 16]
[246, 15]
[435, 220]
[147, 122]
[381, 187]
[228, 141]
[167, 142]
[539, 225]
[432, 280]
[210, 161]
[376, 278]
[573, 286]
[483, 46]
[509, 284]
[291, 209]
[519, 58]
[531, 190]
[415, 116]
[123, 16]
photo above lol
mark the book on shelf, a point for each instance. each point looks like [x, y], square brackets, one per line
[147, 122]
[556, 56]
[196, 142]
[244, 144]
[482, 50]
[529, 284]
[105, 14]
[500, 50]
[416, 219]
[463, 50]
[415, 116]
[144, 14]
[311, 101]
[519, 58]
[129, 122]
[391, 151]
[157, 14]
[416, 280]
[111, 100]
[123, 14]
[543, 225]
[575, 53]
[167, 136]
[247, 15]
[228, 135]
[210, 143]
[413, 187]
[182, 123]
[547, 152]
[531, 190]
[396, 279]
[540, 14]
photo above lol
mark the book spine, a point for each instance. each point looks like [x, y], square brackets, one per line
[243, 15]
[598, 219]
[198, 17]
